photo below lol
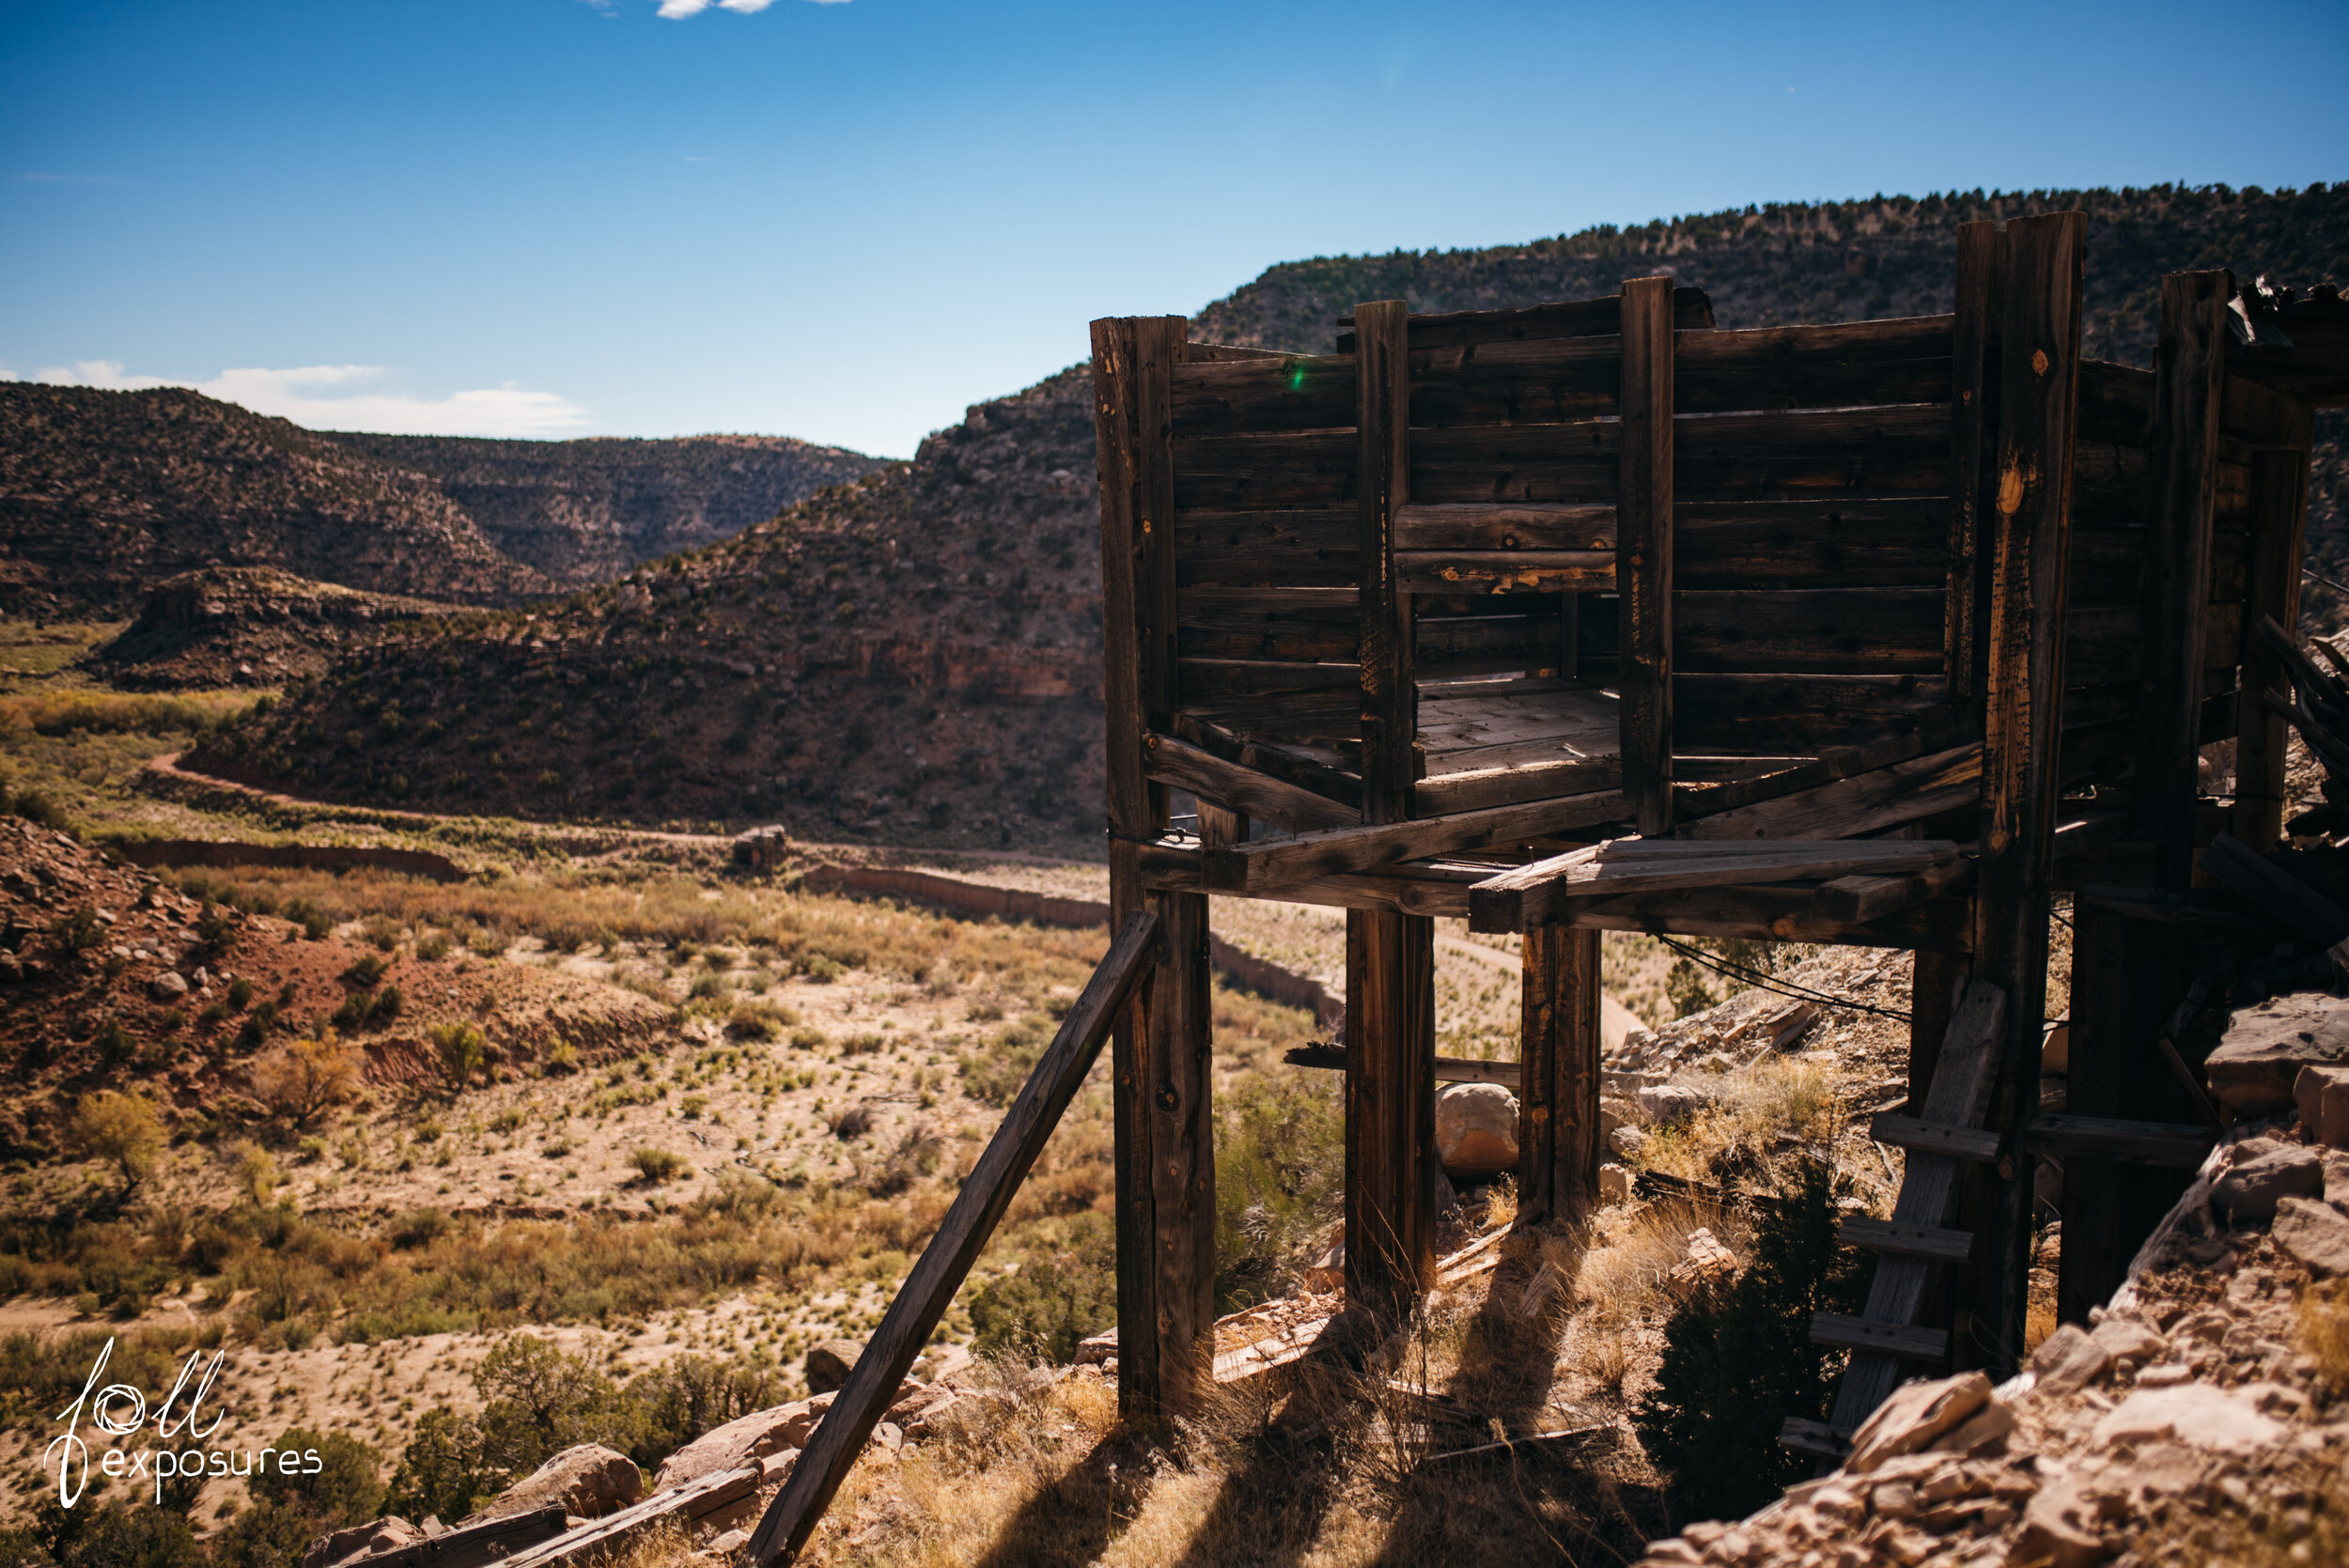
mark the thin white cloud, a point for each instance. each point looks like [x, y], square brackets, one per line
[678, 11]
[333, 398]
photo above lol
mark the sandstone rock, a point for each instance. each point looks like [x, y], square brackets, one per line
[2316, 1233]
[2068, 1361]
[2129, 1340]
[2323, 1096]
[2058, 1528]
[2336, 1177]
[2266, 1047]
[726, 1547]
[2250, 1191]
[828, 1364]
[359, 1540]
[1983, 1432]
[1917, 1414]
[11, 969]
[1627, 1142]
[1614, 1184]
[741, 1441]
[166, 987]
[2193, 1413]
[589, 1481]
[1476, 1129]
[1668, 1103]
[1612, 1113]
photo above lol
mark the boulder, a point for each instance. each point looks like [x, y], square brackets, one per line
[1668, 1103]
[2260, 1057]
[2251, 1190]
[589, 1481]
[1476, 1129]
[2060, 1528]
[2337, 1178]
[166, 987]
[828, 1364]
[2323, 1096]
[1614, 1184]
[2316, 1233]
[2068, 1361]
[361, 1541]
[2192, 1413]
[1627, 1142]
[1915, 1417]
[742, 1441]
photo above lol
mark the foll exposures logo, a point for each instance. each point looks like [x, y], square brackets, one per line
[120, 1410]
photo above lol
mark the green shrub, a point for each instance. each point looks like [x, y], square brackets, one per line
[1280, 1163]
[346, 1489]
[1040, 1314]
[461, 1050]
[1738, 1360]
[369, 968]
[658, 1165]
[442, 1471]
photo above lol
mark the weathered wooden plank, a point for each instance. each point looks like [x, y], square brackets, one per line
[1863, 803]
[1389, 1106]
[1842, 1332]
[1978, 258]
[1815, 1438]
[1845, 365]
[1390, 722]
[1776, 715]
[1309, 549]
[1542, 381]
[1936, 1138]
[1901, 450]
[1505, 571]
[2259, 416]
[1547, 890]
[1769, 913]
[1178, 1103]
[478, 1545]
[1479, 789]
[1449, 1069]
[2116, 404]
[1445, 640]
[1278, 393]
[1225, 353]
[2029, 540]
[2192, 356]
[1419, 527]
[2267, 890]
[1301, 624]
[1932, 1243]
[1808, 630]
[1602, 318]
[1645, 551]
[2108, 571]
[1558, 1147]
[1294, 472]
[1569, 464]
[1807, 543]
[1274, 863]
[1866, 898]
[2279, 521]
[970, 1219]
[2113, 485]
[1158, 342]
[1771, 778]
[1206, 681]
[2110, 1137]
[599, 1540]
[1254, 794]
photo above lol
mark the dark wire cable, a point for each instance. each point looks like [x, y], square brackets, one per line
[1783, 988]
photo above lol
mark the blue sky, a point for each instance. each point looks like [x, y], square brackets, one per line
[846, 221]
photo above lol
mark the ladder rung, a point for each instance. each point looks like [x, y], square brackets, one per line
[1813, 1438]
[1934, 1138]
[1904, 1340]
[1907, 1240]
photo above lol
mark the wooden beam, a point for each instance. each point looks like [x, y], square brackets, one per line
[1643, 572]
[1178, 1104]
[2190, 362]
[1935, 981]
[479, 1545]
[2135, 1142]
[1449, 1069]
[1864, 803]
[1158, 345]
[1970, 452]
[945, 1263]
[2029, 536]
[1872, 897]
[2267, 890]
[1558, 1149]
[1390, 722]
[1254, 867]
[1890, 1236]
[1794, 775]
[1505, 571]
[1954, 1140]
[1546, 890]
[1502, 525]
[2279, 526]
[1910, 1342]
[1815, 1438]
[1449, 793]
[1390, 1110]
[1242, 789]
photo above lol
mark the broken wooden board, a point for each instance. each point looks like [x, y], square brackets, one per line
[1257, 796]
[478, 1546]
[1862, 804]
[1259, 869]
[1547, 890]
[698, 1500]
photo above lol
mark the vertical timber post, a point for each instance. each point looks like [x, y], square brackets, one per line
[2191, 371]
[1970, 392]
[1558, 1103]
[1165, 1301]
[2028, 534]
[1390, 958]
[1643, 551]
[2279, 534]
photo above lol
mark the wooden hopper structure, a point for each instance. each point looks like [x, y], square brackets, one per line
[1593, 616]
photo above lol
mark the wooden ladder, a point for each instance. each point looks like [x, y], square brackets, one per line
[1939, 1144]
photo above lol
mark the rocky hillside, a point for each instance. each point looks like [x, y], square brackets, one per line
[246, 625]
[915, 656]
[582, 512]
[101, 493]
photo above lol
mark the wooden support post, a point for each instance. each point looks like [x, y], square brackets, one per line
[1132, 361]
[945, 1263]
[1644, 551]
[2279, 532]
[1934, 983]
[1389, 689]
[2028, 534]
[2189, 376]
[1969, 454]
[1390, 1110]
[1558, 1090]
[1177, 1112]
[1570, 635]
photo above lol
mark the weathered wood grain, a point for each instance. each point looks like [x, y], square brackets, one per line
[1558, 1146]
[1691, 311]
[2279, 521]
[1505, 571]
[1419, 527]
[1267, 396]
[1934, 1243]
[1810, 544]
[1808, 630]
[1549, 888]
[1307, 549]
[1863, 803]
[1252, 794]
[1389, 723]
[1780, 715]
[1299, 624]
[1251, 868]
[1295, 472]
[1845, 365]
[1389, 1107]
[1645, 551]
